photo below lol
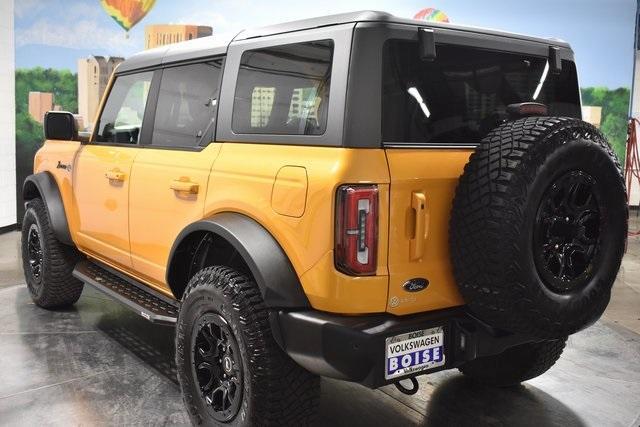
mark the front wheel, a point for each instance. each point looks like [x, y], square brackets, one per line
[48, 264]
[516, 364]
[230, 368]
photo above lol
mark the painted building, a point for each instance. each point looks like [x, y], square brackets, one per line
[39, 104]
[261, 104]
[304, 105]
[93, 76]
[7, 117]
[592, 114]
[163, 34]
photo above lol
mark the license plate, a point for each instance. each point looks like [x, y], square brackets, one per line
[413, 352]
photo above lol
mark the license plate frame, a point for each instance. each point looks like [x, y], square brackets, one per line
[414, 352]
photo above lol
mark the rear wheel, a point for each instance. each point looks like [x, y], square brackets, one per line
[48, 264]
[516, 364]
[230, 368]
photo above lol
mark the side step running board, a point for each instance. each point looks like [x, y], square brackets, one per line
[145, 301]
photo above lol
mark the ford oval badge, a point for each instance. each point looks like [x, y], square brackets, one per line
[415, 285]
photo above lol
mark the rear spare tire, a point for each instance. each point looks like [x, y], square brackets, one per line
[538, 226]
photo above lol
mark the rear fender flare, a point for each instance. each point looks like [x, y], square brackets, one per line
[265, 258]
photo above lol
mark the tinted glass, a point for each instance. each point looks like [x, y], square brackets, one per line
[187, 102]
[284, 89]
[121, 119]
[464, 93]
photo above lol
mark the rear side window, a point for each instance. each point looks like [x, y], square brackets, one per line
[464, 93]
[284, 90]
[186, 107]
[121, 118]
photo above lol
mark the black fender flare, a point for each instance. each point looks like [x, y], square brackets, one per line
[44, 185]
[267, 261]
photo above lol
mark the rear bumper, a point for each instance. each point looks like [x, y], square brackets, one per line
[352, 348]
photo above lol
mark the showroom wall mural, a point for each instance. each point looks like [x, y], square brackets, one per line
[66, 49]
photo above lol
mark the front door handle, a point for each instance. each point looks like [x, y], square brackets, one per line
[114, 175]
[184, 185]
[419, 205]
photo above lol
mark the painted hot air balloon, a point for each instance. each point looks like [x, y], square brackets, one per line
[431, 14]
[127, 13]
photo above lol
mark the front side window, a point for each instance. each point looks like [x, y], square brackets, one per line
[464, 93]
[284, 90]
[121, 118]
[187, 102]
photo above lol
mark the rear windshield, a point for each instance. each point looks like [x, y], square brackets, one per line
[463, 94]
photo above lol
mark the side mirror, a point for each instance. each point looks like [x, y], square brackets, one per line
[60, 125]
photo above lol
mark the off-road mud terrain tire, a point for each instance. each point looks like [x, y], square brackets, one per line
[516, 364]
[276, 390]
[518, 266]
[54, 286]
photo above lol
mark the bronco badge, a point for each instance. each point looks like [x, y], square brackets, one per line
[64, 166]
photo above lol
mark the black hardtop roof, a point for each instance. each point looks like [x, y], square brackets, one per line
[217, 45]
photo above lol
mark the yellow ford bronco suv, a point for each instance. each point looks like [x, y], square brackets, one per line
[358, 196]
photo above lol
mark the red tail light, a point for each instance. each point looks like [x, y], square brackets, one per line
[356, 251]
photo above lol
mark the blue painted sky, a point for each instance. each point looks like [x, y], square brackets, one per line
[54, 33]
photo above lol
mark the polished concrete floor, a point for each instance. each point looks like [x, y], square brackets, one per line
[99, 364]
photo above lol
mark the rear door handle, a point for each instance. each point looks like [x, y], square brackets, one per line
[184, 185]
[419, 205]
[114, 175]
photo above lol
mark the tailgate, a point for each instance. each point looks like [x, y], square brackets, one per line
[423, 183]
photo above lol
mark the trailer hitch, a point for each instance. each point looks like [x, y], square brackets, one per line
[409, 391]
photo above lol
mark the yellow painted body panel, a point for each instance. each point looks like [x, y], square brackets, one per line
[242, 181]
[47, 158]
[131, 220]
[101, 183]
[423, 183]
[160, 207]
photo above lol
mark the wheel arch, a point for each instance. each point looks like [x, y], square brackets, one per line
[43, 185]
[259, 255]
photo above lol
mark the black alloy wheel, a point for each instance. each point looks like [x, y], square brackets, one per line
[34, 251]
[567, 232]
[217, 366]
[47, 263]
[538, 227]
[231, 370]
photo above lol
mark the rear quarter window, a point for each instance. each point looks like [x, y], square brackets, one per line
[464, 93]
[284, 90]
